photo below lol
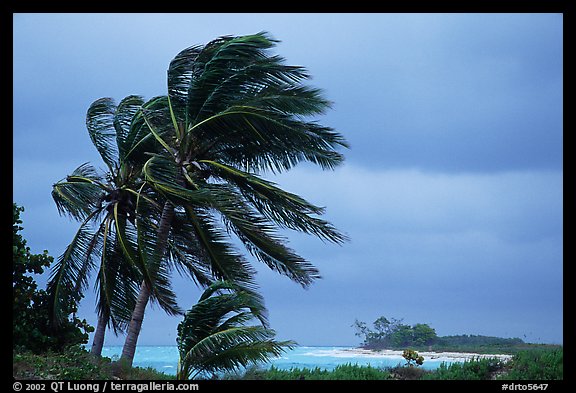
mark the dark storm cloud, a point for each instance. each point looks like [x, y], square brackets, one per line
[451, 92]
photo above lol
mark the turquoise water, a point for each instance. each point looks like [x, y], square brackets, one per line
[165, 358]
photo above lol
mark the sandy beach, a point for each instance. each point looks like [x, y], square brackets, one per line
[443, 356]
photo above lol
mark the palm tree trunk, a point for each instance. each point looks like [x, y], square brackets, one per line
[98, 342]
[135, 326]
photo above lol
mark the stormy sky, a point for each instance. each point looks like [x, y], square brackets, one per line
[451, 193]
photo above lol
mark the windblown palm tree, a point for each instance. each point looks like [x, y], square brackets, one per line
[232, 112]
[106, 206]
[214, 337]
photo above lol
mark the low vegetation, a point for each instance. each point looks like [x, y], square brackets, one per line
[477, 369]
[541, 364]
[537, 365]
[341, 372]
[75, 363]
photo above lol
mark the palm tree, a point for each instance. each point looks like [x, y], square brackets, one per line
[232, 112]
[214, 337]
[108, 203]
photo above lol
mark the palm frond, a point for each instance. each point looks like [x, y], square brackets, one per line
[260, 237]
[225, 262]
[139, 141]
[100, 125]
[123, 121]
[285, 209]
[169, 179]
[234, 99]
[242, 296]
[181, 71]
[216, 61]
[264, 140]
[183, 252]
[288, 99]
[231, 83]
[79, 194]
[232, 349]
[71, 270]
[213, 335]
[117, 285]
[136, 243]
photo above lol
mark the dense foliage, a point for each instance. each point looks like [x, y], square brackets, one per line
[539, 364]
[340, 372]
[31, 329]
[392, 333]
[477, 369]
[75, 363]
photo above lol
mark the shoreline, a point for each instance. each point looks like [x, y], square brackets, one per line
[448, 356]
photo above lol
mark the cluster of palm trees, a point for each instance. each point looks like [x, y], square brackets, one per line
[183, 182]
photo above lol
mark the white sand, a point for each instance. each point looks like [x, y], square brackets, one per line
[443, 356]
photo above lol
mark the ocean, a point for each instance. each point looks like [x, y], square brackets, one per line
[165, 358]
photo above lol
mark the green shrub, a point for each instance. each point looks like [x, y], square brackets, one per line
[412, 358]
[75, 363]
[31, 326]
[475, 369]
[536, 364]
[72, 364]
[122, 370]
[407, 373]
[341, 372]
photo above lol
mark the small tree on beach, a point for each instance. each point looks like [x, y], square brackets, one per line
[412, 358]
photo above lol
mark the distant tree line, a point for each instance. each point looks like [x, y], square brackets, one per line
[392, 333]
[470, 339]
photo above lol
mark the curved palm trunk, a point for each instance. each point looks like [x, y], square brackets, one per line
[98, 342]
[135, 326]
[129, 348]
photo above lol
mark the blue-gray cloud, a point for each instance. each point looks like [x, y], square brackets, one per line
[453, 183]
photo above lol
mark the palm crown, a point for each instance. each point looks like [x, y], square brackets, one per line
[232, 112]
[185, 174]
[105, 204]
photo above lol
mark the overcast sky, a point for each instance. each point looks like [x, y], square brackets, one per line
[452, 190]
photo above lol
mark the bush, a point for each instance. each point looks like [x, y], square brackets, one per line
[407, 373]
[74, 363]
[350, 372]
[536, 364]
[476, 369]
[31, 327]
[412, 358]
